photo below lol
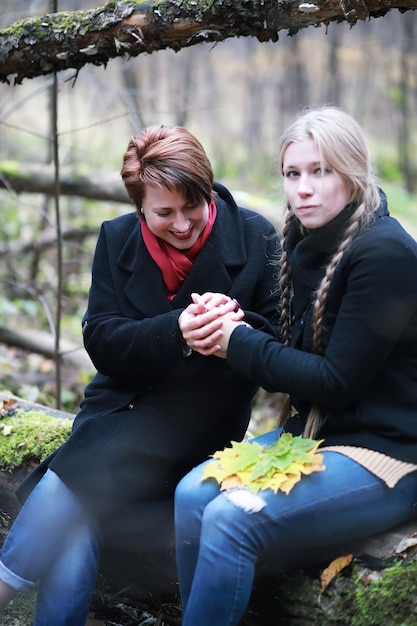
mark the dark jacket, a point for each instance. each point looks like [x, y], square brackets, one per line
[367, 379]
[151, 413]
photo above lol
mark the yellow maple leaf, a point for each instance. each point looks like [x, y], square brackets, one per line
[278, 466]
[314, 467]
[292, 479]
[294, 468]
[277, 480]
[213, 470]
[231, 482]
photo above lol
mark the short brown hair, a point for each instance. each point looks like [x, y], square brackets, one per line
[167, 156]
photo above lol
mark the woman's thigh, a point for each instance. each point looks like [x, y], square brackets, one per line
[345, 501]
[340, 504]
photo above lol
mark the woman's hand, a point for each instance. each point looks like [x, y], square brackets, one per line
[201, 322]
[228, 325]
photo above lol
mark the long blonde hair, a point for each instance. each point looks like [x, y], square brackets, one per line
[342, 145]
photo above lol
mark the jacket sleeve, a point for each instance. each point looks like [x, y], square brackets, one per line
[120, 346]
[376, 318]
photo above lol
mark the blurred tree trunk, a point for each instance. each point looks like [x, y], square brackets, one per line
[131, 93]
[406, 136]
[298, 91]
[334, 87]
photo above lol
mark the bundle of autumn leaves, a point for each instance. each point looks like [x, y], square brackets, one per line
[278, 466]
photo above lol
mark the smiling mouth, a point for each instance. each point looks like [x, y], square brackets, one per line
[183, 235]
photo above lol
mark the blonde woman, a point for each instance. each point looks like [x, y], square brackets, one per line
[348, 361]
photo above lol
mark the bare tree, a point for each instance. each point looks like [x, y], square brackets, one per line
[405, 105]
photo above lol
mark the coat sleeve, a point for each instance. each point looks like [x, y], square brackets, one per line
[120, 346]
[377, 316]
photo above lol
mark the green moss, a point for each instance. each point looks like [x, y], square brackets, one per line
[20, 611]
[391, 601]
[39, 27]
[356, 599]
[30, 436]
[10, 168]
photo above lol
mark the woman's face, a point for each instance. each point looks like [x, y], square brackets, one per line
[172, 218]
[315, 195]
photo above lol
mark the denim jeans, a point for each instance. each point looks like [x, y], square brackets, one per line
[53, 547]
[221, 537]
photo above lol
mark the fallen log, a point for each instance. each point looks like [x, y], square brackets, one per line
[139, 577]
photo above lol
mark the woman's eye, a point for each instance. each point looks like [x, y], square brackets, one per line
[321, 171]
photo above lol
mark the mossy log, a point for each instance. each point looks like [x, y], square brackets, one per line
[137, 580]
[70, 40]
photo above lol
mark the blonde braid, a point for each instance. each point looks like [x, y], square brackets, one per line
[285, 283]
[358, 219]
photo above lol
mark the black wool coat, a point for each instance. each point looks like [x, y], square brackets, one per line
[366, 380]
[150, 413]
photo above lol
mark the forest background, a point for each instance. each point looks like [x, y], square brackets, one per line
[236, 96]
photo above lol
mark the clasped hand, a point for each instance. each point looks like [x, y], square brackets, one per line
[208, 322]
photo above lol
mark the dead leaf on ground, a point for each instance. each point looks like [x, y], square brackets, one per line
[407, 544]
[334, 569]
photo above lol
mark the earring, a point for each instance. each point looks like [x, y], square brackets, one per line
[142, 211]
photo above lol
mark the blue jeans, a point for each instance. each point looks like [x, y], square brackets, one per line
[221, 538]
[54, 547]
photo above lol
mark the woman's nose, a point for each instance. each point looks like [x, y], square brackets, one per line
[304, 185]
[181, 222]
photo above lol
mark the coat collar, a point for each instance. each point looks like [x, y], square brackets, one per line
[325, 240]
[309, 255]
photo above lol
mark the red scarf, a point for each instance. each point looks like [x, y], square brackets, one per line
[175, 264]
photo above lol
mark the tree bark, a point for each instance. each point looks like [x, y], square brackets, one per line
[59, 41]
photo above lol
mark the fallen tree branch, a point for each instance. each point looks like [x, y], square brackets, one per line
[45, 240]
[34, 178]
[59, 41]
[43, 343]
